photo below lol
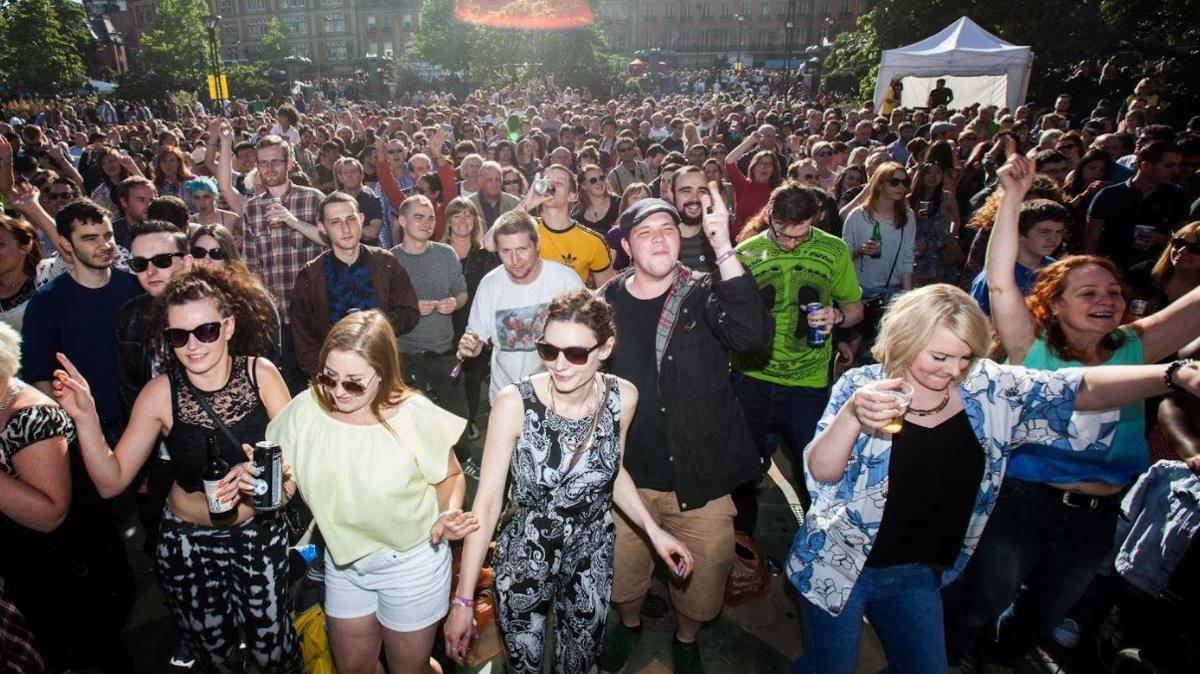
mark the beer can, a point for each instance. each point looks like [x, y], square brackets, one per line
[268, 471]
[816, 337]
[1138, 307]
[543, 187]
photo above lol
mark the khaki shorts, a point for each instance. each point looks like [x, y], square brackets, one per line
[708, 534]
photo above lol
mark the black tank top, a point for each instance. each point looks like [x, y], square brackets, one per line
[237, 403]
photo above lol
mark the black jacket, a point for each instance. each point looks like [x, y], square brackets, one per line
[711, 448]
[134, 367]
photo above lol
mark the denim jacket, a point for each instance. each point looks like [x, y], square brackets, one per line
[1006, 406]
[1164, 508]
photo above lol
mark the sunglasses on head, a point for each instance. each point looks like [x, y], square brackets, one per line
[354, 388]
[215, 254]
[162, 261]
[206, 333]
[1192, 247]
[576, 355]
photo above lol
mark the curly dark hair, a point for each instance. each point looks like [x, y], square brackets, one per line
[582, 307]
[235, 294]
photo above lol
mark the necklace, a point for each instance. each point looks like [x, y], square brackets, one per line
[587, 437]
[929, 412]
[15, 386]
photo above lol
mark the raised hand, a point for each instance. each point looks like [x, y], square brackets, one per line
[716, 218]
[1016, 176]
[72, 390]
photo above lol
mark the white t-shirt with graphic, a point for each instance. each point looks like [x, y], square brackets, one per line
[511, 316]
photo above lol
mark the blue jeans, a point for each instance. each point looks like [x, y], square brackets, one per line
[790, 413]
[905, 609]
[1036, 558]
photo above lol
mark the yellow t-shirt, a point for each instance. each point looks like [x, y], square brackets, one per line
[368, 490]
[578, 247]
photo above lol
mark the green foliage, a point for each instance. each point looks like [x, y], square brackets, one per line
[177, 47]
[40, 51]
[246, 80]
[274, 44]
[852, 63]
[443, 40]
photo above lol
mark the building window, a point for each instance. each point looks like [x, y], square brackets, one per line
[406, 22]
[388, 50]
[335, 50]
[649, 11]
[256, 5]
[685, 12]
[725, 38]
[302, 49]
[257, 29]
[705, 11]
[295, 4]
[372, 49]
[229, 31]
[726, 10]
[763, 38]
[746, 9]
[766, 10]
[372, 24]
[685, 39]
[146, 15]
[335, 23]
[389, 23]
[845, 7]
[227, 7]
[333, 3]
[668, 10]
[295, 25]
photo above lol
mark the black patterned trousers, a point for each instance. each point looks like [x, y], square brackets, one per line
[547, 563]
[226, 586]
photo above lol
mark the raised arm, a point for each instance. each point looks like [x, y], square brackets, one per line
[1166, 332]
[1011, 317]
[233, 198]
[1111, 386]
[750, 141]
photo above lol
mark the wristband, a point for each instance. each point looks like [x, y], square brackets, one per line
[725, 256]
[465, 602]
[841, 316]
[1169, 376]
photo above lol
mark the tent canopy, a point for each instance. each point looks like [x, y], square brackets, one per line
[978, 66]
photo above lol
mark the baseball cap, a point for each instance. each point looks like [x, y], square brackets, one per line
[637, 213]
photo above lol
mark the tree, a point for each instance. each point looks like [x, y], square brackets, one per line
[274, 44]
[177, 48]
[444, 40]
[51, 61]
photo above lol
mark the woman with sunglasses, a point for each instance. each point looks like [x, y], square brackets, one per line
[822, 154]
[226, 582]
[513, 181]
[597, 208]
[1058, 509]
[375, 464]
[558, 438]
[1174, 274]
[880, 235]
[202, 193]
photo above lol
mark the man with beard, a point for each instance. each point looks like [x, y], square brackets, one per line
[690, 187]
[280, 238]
[75, 314]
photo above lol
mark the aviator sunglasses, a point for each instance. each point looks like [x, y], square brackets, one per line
[354, 388]
[576, 355]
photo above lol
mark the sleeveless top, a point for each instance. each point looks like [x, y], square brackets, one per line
[240, 408]
[542, 479]
[1127, 457]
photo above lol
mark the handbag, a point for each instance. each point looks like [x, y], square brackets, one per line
[950, 253]
[295, 512]
[748, 578]
[314, 640]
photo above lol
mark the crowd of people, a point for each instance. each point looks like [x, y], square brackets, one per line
[969, 329]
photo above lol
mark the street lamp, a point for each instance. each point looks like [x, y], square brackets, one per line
[741, 24]
[211, 22]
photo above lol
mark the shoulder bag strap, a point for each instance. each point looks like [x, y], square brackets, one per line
[237, 444]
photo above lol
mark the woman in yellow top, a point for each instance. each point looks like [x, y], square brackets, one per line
[374, 463]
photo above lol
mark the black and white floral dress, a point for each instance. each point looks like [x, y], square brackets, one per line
[555, 553]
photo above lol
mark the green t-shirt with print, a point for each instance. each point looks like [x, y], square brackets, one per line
[821, 265]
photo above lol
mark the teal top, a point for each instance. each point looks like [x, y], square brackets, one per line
[1127, 457]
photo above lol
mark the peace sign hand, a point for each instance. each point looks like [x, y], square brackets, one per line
[716, 219]
[72, 391]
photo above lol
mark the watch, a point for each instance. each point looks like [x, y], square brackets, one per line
[841, 316]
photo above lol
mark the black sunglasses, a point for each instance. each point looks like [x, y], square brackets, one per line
[823, 153]
[511, 182]
[354, 388]
[162, 261]
[1192, 247]
[215, 254]
[896, 182]
[60, 195]
[593, 180]
[206, 333]
[576, 355]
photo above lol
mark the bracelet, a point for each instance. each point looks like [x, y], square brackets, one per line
[841, 316]
[725, 256]
[465, 602]
[1169, 375]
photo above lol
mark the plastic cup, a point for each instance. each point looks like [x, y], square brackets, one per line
[903, 397]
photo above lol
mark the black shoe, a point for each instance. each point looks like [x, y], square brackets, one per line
[618, 646]
[686, 657]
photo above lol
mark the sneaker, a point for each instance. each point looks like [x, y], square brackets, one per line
[686, 657]
[618, 646]
[181, 661]
[1067, 633]
[469, 467]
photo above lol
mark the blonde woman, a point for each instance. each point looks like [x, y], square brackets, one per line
[951, 432]
[373, 460]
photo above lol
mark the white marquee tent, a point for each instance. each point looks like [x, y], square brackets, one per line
[978, 66]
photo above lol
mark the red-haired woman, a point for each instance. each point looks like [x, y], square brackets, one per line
[170, 173]
[1054, 521]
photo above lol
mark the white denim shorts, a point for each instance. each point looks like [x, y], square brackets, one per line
[408, 591]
